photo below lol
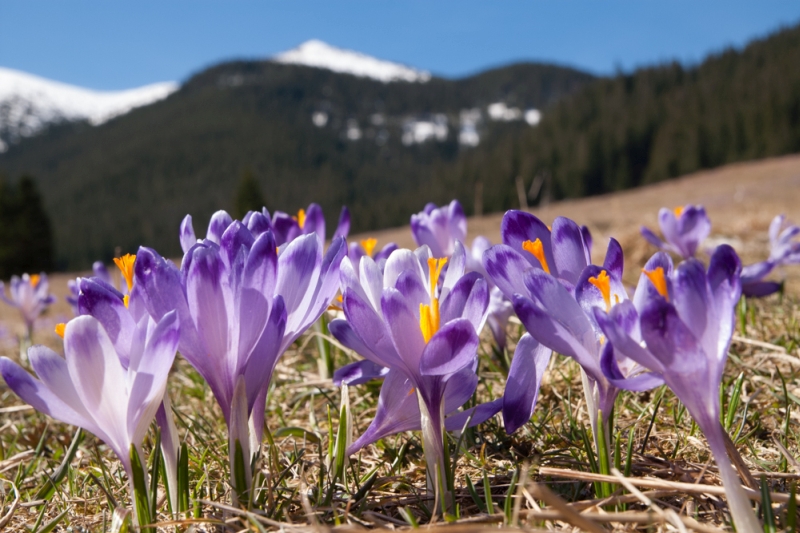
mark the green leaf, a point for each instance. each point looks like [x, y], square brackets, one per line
[140, 499]
[296, 432]
[46, 491]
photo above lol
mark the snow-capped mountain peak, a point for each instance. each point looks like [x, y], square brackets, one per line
[315, 53]
[28, 103]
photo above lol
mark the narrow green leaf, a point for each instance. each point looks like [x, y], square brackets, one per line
[766, 506]
[487, 494]
[183, 479]
[46, 491]
[297, 432]
[474, 493]
[240, 474]
[120, 521]
[154, 472]
[140, 499]
[51, 525]
[409, 517]
[508, 506]
[791, 510]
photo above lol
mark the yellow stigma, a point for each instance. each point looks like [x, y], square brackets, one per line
[603, 284]
[536, 249]
[125, 265]
[429, 314]
[678, 211]
[126, 300]
[658, 280]
[368, 245]
[334, 307]
[301, 218]
[60, 329]
[35, 280]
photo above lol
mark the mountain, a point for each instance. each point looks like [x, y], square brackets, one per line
[307, 133]
[318, 54]
[29, 103]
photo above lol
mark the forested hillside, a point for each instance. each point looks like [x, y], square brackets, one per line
[650, 125]
[306, 134]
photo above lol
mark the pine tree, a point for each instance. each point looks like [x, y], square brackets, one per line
[248, 195]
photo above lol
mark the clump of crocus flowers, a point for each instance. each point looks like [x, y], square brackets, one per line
[250, 288]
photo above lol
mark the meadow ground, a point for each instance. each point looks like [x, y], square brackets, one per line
[539, 478]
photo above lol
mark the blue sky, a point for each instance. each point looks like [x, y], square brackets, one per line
[116, 45]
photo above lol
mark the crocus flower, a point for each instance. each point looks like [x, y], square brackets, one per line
[367, 247]
[100, 271]
[241, 304]
[311, 220]
[557, 308]
[119, 315]
[30, 294]
[90, 388]
[439, 228]
[684, 228]
[681, 331]
[424, 333]
[784, 250]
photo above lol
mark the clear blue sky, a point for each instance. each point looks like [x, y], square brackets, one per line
[113, 44]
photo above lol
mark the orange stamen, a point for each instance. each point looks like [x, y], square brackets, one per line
[60, 329]
[35, 280]
[536, 249]
[429, 314]
[301, 218]
[125, 265]
[368, 245]
[334, 307]
[678, 211]
[658, 280]
[603, 284]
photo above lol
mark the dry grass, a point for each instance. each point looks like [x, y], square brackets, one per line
[385, 482]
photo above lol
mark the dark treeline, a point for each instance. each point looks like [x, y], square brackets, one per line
[26, 238]
[240, 133]
[652, 124]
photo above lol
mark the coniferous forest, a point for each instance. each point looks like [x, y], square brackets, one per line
[242, 131]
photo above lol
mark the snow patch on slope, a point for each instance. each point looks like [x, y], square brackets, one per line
[315, 53]
[28, 103]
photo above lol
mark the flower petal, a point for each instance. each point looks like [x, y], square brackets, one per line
[187, 236]
[520, 226]
[505, 268]
[398, 410]
[524, 379]
[358, 373]
[569, 250]
[469, 298]
[403, 323]
[452, 348]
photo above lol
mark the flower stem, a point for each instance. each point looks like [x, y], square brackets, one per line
[740, 506]
[433, 446]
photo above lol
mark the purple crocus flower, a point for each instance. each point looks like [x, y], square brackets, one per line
[90, 388]
[367, 247]
[439, 228]
[100, 271]
[310, 220]
[557, 308]
[402, 320]
[784, 250]
[681, 331]
[241, 304]
[30, 294]
[684, 228]
[119, 315]
[284, 227]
